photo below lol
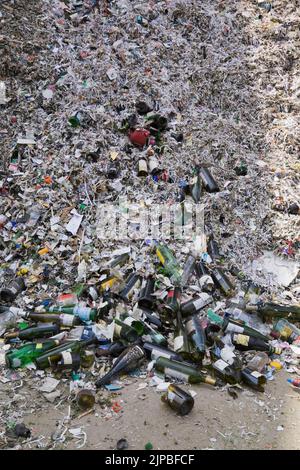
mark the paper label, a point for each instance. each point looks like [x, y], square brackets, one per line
[202, 301]
[156, 354]
[171, 396]
[241, 339]
[13, 290]
[234, 328]
[175, 374]
[39, 346]
[117, 330]
[67, 357]
[189, 327]
[128, 321]
[66, 319]
[256, 374]
[178, 343]
[220, 364]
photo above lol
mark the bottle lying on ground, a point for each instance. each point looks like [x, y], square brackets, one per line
[9, 293]
[178, 370]
[286, 331]
[227, 373]
[196, 335]
[182, 345]
[132, 282]
[142, 328]
[173, 300]
[188, 270]
[170, 265]
[194, 305]
[179, 400]
[44, 331]
[205, 280]
[230, 325]
[208, 180]
[246, 343]
[254, 379]
[153, 352]
[52, 356]
[28, 353]
[146, 299]
[62, 319]
[113, 349]
[82, 312]
[269, 309]
[222, 281]
[129, 360]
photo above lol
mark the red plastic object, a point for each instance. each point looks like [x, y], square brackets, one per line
[139, 137]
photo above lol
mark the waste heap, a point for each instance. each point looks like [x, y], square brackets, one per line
[139, 114]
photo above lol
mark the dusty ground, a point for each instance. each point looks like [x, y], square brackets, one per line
[217, 421]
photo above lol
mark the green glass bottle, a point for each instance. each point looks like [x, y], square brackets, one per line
[180, 371]
[27, 334]
[196, 335]
[82, 312]
[286, 331]
[269, 309]
[254, 379]
[182, 344]
[142, 328]
[178, 399]
[245, 343]
[28, 353]
[226, 372]
[52, 356]
[125, 332]
[170, 265]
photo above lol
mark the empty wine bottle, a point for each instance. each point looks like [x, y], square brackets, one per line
[270, 309]
[236, 326]
[178, 399]
[208, 180]
[205, 280]
[195, 187]
[194, 305]
[62, 319]
[254, 379]
[222, 281]
[68, 361]
[132, 282]
[146, 298]
[187, 270]
[53, 355]
[143, 328]
[9, 293]
[181, 371]
[125, 331]
[118, 261]
[213, 249]
[226, 372]
[173, 300]
[129, 360]
[182, 344]
[43, 331]
[258, 362]
[170, 265]
[28, 353]
[80, 311]
[196, 334]
[286, 331]
[245, 343]
[113, 349]
[153, 352]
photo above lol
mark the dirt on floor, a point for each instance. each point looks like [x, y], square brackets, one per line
[254, 420]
